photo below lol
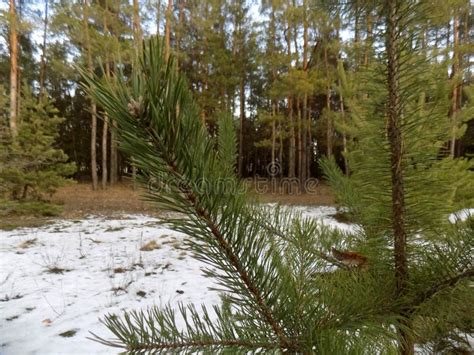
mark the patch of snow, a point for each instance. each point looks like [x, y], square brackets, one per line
[462, 215]
[63, 277]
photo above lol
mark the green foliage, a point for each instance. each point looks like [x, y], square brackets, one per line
[436, 185]
[28, 208]
[438, 254]
[31, 166]
[272, 266]
[227, 143]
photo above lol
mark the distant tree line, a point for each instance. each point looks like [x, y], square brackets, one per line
[283, 69]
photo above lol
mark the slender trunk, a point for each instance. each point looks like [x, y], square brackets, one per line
[273, 134]
[299, 134]
[105, 127]
[113, 138]
[368, 44]
[179, 30]
[13, 72]
[87, 45]
[344, 138]
[241, 129]
[292, 145]
[309, 155]
[304, 150]
[329, 128]
[158, 17]
[356, 32]
[395, 138]
[169, 13]
[42, 73]
[275, 106]
[280, 136]
[455, 94]
[137, 28]
[137, 38]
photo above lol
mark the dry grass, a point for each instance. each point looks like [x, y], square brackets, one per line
[28, 243]
[78, 200]
[151, 245]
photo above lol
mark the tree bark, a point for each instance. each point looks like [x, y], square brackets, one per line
[137, 38]
[455, 93]
[292, 145]
[105, 127]
[395, 138]
[304, 150]
[169, 13]
[113, 138]
[158, 17]
[329, 127]
[344, 137]
[42, 73]
[368, 41]
[87, 45]
[13, 122]
[241, 126]
[299, 134]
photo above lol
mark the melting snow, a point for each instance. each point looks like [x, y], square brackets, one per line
[57, 281]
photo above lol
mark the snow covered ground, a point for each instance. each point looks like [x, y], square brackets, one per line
[57, 281]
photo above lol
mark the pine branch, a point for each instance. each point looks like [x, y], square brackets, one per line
[234, 260]
[442, 285]
[140, 347]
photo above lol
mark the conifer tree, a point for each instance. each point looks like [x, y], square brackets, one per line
[31, 167]
[288, 283]
[400, 189]
[267, 298]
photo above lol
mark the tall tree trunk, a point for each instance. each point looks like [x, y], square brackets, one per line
[280, 137]
[394, 115]
[344, 137]
[356, 33]
[179, 33]
[87, 45]
[368, 42]
[455, 93]
[304, 150]
[137, 38]
[299, 134]
[13, 71]
[158, 17]
[137, 28]
[241, 126]
[42, 73]
[292, 145]
[113, 138]
[169, 13]
[273, 101]
[273, 135]
[329, 127]
[105, 127]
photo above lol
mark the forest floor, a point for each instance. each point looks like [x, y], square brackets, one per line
[57, 280]
[78, 201]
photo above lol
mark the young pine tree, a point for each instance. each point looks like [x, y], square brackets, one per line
[30, 165]
[402, 187]
[282, 291]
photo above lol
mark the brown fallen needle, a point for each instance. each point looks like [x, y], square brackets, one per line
[350, 259]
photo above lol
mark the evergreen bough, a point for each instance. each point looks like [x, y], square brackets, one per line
[285, 283]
